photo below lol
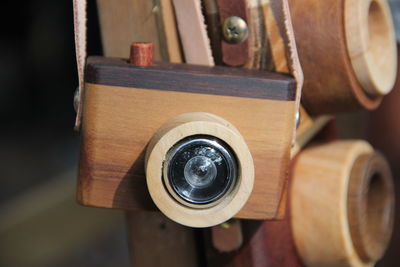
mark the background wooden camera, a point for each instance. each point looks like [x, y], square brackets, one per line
[126, 106]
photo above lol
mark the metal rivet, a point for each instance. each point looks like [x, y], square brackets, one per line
[298, 119]
[227, 224]
[235, 30]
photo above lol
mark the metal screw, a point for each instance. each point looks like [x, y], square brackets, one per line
[235, 30]
[227, 224]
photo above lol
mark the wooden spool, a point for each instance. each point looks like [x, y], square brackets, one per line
[342, 204]
[347, 51]
[141, 54]
[171, 133]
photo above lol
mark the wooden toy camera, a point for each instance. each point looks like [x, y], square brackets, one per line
[201, 144]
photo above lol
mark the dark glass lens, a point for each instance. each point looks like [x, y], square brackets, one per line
[201, 169]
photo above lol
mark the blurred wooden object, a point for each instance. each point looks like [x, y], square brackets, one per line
[227, 237]
[383, 133]
[371, 44]
[125, 21]
[331, 84]
[266, 243]
[342, 204]
[154, 240]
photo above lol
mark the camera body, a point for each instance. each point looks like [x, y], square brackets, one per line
[152, 134]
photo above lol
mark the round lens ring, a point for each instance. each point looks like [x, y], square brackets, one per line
[200, 170]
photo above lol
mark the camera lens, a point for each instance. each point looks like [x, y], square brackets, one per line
[200, 170]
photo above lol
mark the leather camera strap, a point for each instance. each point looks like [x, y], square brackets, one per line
[80, 18]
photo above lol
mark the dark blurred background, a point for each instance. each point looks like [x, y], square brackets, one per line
[40, 222]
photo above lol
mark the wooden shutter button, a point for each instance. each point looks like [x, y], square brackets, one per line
[141, 54]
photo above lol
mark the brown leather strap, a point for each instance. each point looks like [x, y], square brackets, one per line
[234, 54]
[192, 29]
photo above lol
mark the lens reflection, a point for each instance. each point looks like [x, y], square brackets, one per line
[200, 171]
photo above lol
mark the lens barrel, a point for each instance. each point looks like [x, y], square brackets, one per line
[200, 170]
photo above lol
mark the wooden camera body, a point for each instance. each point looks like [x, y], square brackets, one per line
[132, 117]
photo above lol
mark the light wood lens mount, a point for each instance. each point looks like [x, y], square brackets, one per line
[170, 134]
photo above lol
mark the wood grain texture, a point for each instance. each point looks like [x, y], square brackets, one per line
[167, 28]
[125, 21]
[165, 198]
[141, 54]
[191, 79]
[234, 54]
[370, 206]
[371, 44]
[383, 132]
[319, 203]
[154, 240]
[115, 135]
[278, 55]
[330, 82]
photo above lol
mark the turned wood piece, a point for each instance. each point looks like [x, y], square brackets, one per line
[370, 206]
[335, 80]
[371, 44]
[383, 133]
[141, 54]
[342, 204]
[171, 133]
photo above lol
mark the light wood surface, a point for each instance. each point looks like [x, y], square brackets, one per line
[115, 136]
[341, 204]
[171, 133]
[371, 44]
[370, 206]
[167, 25]
[154, 240]
[125, 21]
